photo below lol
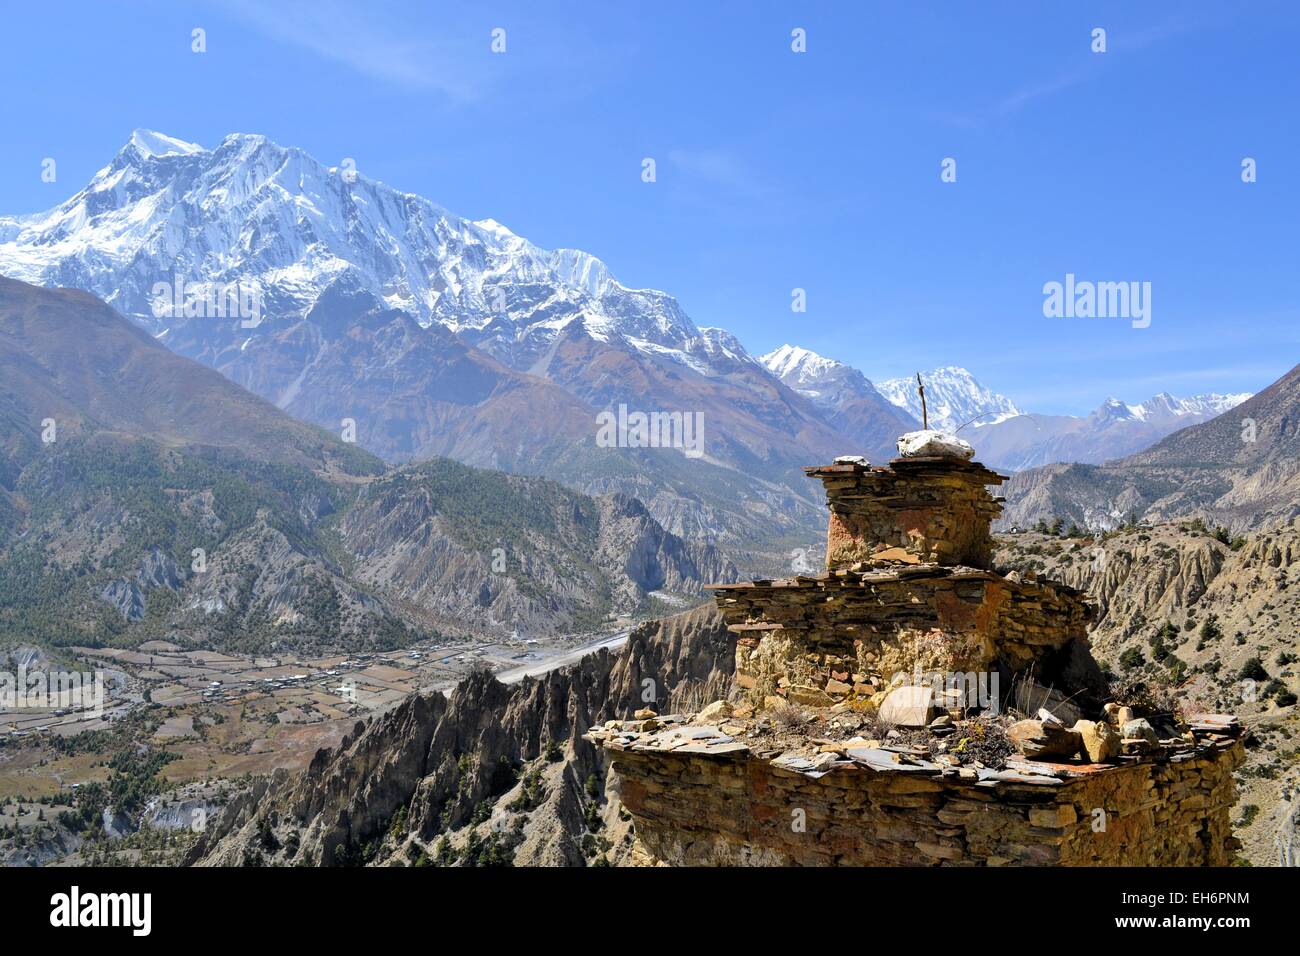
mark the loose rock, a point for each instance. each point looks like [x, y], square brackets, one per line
[1036, 739]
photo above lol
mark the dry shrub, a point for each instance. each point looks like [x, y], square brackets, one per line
[1146, 697]
[876, 727]
[691, 696]
[984, 739]
[786, 716]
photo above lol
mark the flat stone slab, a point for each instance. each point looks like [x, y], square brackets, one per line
[991, 778]
[890, 761]
[677, 736]
[727, 747]
[793, 762]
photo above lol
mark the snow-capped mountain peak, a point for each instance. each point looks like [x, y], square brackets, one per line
[828, 383]
[795, 365]
[153, 145]
[1112, 408]
[953, 398]
[253, 212]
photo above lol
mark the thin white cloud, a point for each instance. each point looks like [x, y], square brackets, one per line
[359, 36]
[1118, 41]
[1023, 97]
[719, 168]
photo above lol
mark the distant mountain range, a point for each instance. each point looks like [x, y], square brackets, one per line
[342, 300]
[435, 334]
[1113, 430]
[145, 496]
[1003, 435]
[1239, 470]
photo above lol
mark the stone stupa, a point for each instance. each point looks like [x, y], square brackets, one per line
[911, 705]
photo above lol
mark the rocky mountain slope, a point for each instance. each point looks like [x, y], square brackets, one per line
[171, 503]
[489, 774]
[1214, 618]
[498, 549]
[128, 467]
[435, 334]
[1240, 470]
[845, 396]
[67, 358]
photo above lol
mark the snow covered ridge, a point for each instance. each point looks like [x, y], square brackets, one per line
[804, 364]
[168, 215]
[953, 398]
[253, 212]
[1164, 406]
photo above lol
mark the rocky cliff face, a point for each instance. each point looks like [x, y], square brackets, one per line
[487, 773]
[1217, 621]
[497, 549]
[1179, 573]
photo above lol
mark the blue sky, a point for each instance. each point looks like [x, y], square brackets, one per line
[776, 170]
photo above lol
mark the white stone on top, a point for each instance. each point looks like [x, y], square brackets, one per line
[927, 443]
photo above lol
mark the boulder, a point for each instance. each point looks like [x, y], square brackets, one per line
[909, 706]
[1100, 740]
[715, 711]
[838, 688]
[929, 443]
[1139, 729]
[1038, 740]
[808, 696]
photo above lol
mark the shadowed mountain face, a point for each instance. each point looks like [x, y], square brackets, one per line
[67, 357]
[413, 392]
[1240, 470]
[143, 495]
[418, 392]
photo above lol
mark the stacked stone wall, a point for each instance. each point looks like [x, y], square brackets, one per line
[881, 623]
[918, 511]
[699, 810]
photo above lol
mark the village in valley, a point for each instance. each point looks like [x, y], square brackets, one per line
[219, 718]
